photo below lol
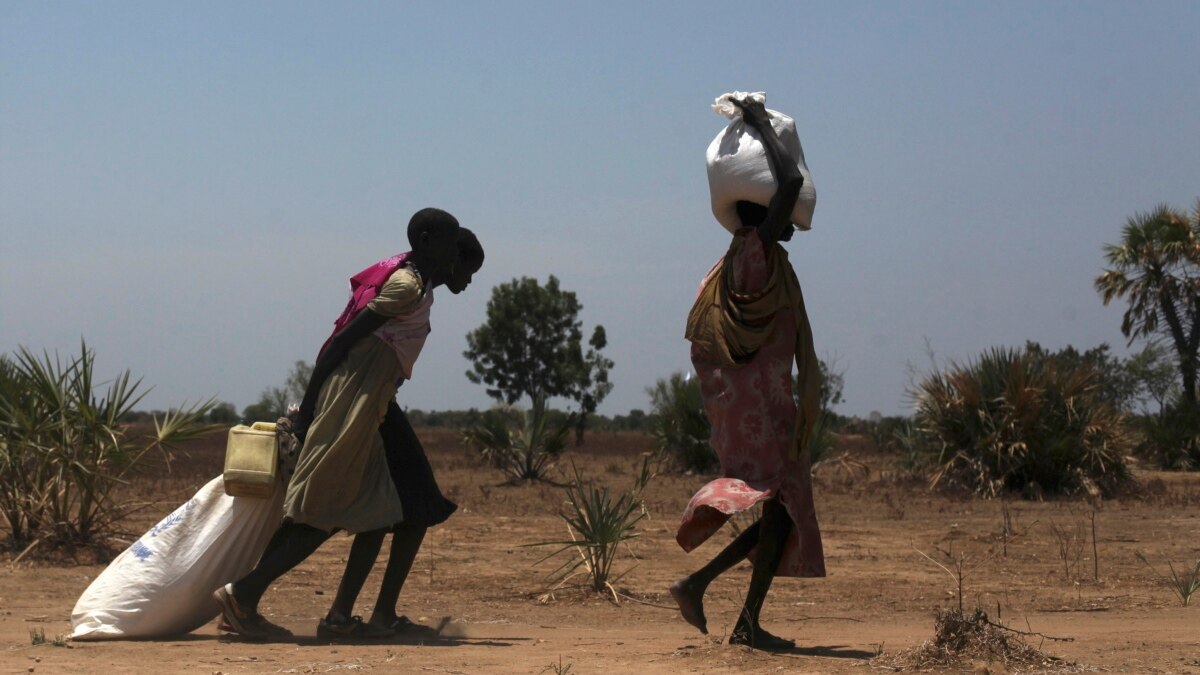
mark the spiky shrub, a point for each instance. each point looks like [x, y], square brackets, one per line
[1172, 439]
[598, 523]
[524, 445]
[63, 448]
[681, 429]
[820, 445]
[1016, 422]
[916, 451]
[889, 434]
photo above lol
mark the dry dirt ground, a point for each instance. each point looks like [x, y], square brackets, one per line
[1112, 613]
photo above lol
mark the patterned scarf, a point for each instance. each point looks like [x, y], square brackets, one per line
[730, 327]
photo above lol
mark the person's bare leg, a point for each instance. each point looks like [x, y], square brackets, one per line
[289, 546]
[776, 526]
[406, 541]
[688, 592]
[363, 553]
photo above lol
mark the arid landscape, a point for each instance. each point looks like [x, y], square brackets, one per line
[1065, 574]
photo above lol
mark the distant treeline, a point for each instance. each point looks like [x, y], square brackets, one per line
[636, 420]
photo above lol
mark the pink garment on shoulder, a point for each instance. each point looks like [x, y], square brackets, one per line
[364, 286]
[753, 415]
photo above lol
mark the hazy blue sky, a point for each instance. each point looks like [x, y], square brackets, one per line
[188, 185]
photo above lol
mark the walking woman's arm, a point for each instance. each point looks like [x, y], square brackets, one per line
[783, 166]
[361, 326]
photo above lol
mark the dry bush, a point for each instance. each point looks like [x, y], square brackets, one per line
[1069, 543]
[962, 639]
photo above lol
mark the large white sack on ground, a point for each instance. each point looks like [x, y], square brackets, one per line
[738, 168]
[162, 585]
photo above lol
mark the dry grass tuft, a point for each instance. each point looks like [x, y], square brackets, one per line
[966, 640]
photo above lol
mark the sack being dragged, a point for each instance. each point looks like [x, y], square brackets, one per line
[162, 584]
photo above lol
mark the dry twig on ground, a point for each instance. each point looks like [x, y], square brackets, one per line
[964, 638]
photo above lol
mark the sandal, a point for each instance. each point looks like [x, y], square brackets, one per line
[404, 625]
[243, 622]
[760, 639]
[340, 628]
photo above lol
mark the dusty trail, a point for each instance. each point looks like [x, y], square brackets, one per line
[880, 594]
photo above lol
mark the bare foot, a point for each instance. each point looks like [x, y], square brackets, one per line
[691, 603]
[759, 638]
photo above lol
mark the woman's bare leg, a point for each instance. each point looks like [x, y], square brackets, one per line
[689, 591]
[363, 553]
[776, 526]
[406, 541]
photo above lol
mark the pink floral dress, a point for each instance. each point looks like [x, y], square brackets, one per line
[752, 413]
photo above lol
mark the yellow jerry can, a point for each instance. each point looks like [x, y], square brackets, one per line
[251, 460]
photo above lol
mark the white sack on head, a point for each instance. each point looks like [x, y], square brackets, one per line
[725, 106]
[738, 167]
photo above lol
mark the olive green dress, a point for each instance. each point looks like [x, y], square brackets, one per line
[342, 479]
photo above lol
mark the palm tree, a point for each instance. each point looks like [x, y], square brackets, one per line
[1156, 268]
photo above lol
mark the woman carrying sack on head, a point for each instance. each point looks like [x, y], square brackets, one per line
[747, 327]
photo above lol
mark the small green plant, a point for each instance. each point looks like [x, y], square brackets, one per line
[558, 668]
[820, 444]
[37, 636]
[598, 523]
[914, 448]
[1183, 584]
[885, 432]
[522, 445]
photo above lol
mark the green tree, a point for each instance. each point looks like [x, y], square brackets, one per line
[1154, 371]
[833, 383]
[223, 412]
[532, 345]
[1115, 383]
[592, 385]
[273, 402]
[1156, 268]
